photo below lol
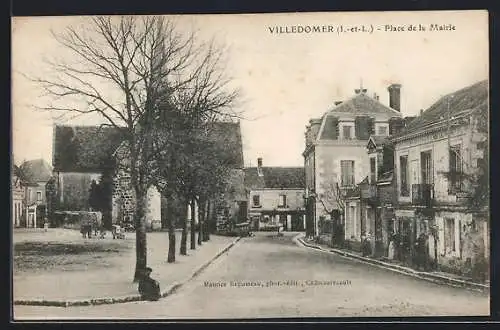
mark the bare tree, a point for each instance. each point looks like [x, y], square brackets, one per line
[125, 70]
[332, 199]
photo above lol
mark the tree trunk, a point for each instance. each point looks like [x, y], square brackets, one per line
[206, 222]
[183, 250]
[193, 225]
[140, 232]
[169, 217]
[201, 221]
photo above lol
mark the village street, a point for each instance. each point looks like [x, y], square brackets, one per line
[312, 283]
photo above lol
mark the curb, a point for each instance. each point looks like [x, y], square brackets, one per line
[171, 289]
[438, 279]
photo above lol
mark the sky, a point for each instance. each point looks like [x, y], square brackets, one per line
[285, 78]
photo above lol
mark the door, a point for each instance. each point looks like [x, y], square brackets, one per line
[243, 211]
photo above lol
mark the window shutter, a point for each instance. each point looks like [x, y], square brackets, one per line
[336, 131]
[330, 131]
[357, 128]
[371, 126]
[364, 127]
[440, 225]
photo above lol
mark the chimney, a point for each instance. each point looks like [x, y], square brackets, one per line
[259, 167]
[375, 96]
[395, 96]
[421, 111]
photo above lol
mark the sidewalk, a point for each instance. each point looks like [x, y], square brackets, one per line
[436, 277]
[112, 283]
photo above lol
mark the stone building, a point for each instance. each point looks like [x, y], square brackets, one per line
[35, 174]
[18, 191]
[433, 157]
[335, 155]
[82, 154]
[276, 196]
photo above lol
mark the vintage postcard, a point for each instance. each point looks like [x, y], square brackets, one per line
[250, 166]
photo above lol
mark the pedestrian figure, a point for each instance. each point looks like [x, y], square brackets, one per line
[148, 287]
[366, 245]
[421, 251]
[391, 251]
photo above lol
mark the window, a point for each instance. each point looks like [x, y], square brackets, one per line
[347, 172]
[256, 200]
[426, 167]
[39, 196]
[282, 202]
[405, 187]
[382, 130]
[373, 170]
[449, 235]
[347, 132]
[455, 180]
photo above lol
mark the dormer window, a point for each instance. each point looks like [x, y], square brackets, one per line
[347, 131]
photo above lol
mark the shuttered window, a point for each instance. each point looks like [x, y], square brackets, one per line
[455, 160]
[426, 167]
[449, 235]
[373, 170]
[405, 187]
[364, 127]
[331, 128]
[347, 172]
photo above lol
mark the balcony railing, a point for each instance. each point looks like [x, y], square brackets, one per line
[422, 194]
[368, 191]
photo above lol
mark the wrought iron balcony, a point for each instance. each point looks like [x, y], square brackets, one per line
[422, 194]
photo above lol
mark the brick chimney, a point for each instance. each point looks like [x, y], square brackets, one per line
[259, 166]
[395, 96]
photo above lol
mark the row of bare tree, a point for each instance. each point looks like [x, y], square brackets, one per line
[164, 88]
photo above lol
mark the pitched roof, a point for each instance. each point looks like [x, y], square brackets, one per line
[84, 148]
[362, 104]
[275, 178]
[88, 148]
[379, 140]
[461, 101]
[33, 171]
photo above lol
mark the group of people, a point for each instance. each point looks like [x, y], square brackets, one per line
[400, 249]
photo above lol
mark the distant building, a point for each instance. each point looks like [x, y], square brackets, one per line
[35, 175]
[18, 190]
[336, 160]
[82, 154]
[276, 196]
